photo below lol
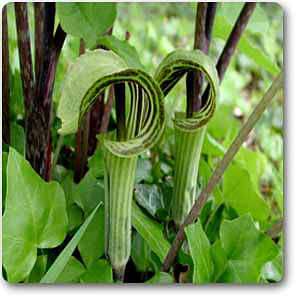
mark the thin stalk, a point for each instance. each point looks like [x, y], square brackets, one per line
[5, 80]
[221, 167]
[234, 38]
[232, 42]
[194, 79]
[210, 18]
[26, 69]
[82, 139]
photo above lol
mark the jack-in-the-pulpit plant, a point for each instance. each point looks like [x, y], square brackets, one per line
[189, 132]
[91, 75]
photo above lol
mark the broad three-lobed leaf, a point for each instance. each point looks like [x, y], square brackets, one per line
[35, 217]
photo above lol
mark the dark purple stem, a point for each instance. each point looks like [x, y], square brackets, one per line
[82, 139]
[232, 42]
[5, 80]
[38, 98]
[194, 79]
[234, 38]
[203, 28]
[24, 53]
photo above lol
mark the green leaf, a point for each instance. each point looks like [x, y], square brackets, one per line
[96, 163]
[38, 270]
[273, 270]
[17, 138]
[123, 49]
[219, 258]
[99, 272]
[213, 226]
[61, 261]
[213, 147]
[91, 246]
[241, 194]
[223, 115]
[140, 253]
[75, 213]
[151, 232]
[161, 278]
[149, 196]
[35, 217]
[247, 250]
[89, 193]
[72, 271]
[86, 20]
[255, 162]
[200, 251]
[143, 171]
[222, 30]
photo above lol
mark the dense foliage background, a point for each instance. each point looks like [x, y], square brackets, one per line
[251, 192]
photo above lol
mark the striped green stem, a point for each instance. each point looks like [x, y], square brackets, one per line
[188, 150]
[189, 131]
[119, 184]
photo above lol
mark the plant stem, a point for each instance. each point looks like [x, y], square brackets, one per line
[221, 167]
[203, 28]
[5, 80]
[194, 79]
[82, 139]
[232, 42]
[234, 38]
[38, 96]
[210, 18]
[24, 53]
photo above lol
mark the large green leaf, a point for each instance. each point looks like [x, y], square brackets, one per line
[86, 20]
[61, 261]
[151, 232]
[35, 217]
[201, 253]
[241, 194]
[247, 250]
[91, 246]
